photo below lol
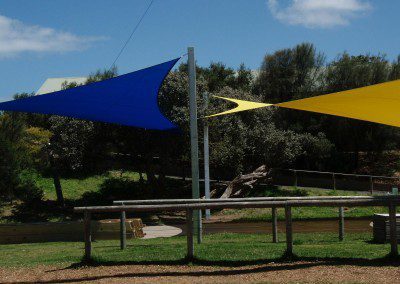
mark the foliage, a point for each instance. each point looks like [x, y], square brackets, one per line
[238, 143]
[11, 156]
[76, 144]
[348, 72]
[69, 141]
[290, 74]
[14, 158]
[35, 142]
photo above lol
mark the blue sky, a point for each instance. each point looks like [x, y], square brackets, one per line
[66, 38]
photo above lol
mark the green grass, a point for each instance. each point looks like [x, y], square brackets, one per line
[300, 213]
[304, 213]
[74, 188]
[217, 249]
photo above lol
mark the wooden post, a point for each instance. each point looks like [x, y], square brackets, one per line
[393, 234]
[88, 236]
[189, 234]
[371, 181]
[123, 230]
[334, 181]
[274, 225]
[341, 223]
[289, 231]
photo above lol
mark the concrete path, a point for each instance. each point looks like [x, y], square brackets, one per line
[161, 231]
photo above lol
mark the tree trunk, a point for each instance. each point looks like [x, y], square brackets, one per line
[57, 183]
[151, 176]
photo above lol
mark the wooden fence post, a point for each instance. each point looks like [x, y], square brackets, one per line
[341, 223]
[123, 230]
[189, 234]
[274, 225]
[371, 181]
[334, 181]
[88, 235]
[393, 230]
[289, 231]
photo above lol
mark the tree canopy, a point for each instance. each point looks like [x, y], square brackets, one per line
[238, 143]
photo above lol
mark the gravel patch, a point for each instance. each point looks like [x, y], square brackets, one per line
[293, 272]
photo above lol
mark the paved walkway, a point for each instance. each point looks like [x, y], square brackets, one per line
[161, 231]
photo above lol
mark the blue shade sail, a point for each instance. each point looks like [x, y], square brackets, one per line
[130, 99]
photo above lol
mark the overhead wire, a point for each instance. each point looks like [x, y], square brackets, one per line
[132, 33]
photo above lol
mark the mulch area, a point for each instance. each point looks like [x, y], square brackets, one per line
[290, 272]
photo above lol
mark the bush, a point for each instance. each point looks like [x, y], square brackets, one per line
[30, 207]
[27, 190]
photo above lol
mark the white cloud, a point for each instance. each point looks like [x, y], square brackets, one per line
[17, 37]
[319, 13]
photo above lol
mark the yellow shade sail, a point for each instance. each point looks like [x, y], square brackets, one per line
[241, 106]
[378, 103]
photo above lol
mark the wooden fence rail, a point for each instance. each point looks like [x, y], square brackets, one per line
[234, 200]
[275, 202]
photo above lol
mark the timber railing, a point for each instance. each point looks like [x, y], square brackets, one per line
[287, 203]
[334, 180]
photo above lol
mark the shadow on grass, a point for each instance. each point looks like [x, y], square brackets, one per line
[285, 262]
[285, 258]
[112, 188]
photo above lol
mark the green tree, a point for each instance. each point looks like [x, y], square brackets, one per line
[349, 72]
[10, 160]
[290, 74]
[77, 146]
[14, 158]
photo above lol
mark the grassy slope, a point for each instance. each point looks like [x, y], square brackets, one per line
[218, 249]
[73, 188]
[306, 212]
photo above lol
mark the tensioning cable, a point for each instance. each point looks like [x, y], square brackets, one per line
[133, 32]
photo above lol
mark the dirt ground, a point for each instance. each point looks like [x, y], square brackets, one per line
[291, 272]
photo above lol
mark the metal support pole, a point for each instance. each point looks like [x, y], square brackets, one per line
[393, 234]
[194, 140]
[189, 234]
[295, 179]
[206, 158]
[274, 225]
[123, 230]
[341, 223]
[289, 231]
[88, 235]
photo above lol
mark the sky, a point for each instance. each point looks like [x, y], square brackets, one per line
[72, 38]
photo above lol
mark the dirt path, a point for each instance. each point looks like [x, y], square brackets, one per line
[294, 272]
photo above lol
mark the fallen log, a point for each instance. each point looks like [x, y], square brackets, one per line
[244, 183]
